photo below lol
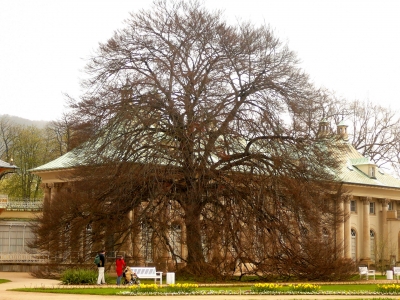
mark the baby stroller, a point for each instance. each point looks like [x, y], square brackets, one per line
[130, 277]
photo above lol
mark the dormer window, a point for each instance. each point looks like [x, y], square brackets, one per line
[372, 172]
[365, 165]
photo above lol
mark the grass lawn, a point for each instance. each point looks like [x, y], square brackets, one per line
[233, 286]
[4, 280]
[113, 290]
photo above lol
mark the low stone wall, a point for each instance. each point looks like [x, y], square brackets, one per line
[32, 267]
[19, 267]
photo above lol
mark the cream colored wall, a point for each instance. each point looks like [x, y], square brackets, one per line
[356, 222]
[55, 176]
[17, 215]
[376, 220]
[374, 192]
[377, 194]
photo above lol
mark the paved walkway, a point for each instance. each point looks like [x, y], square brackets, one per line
[21, 280]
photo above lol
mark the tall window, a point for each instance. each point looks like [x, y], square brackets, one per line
[14, 238]
[353, 206]
[353, 244]
[390, 205]
[147, 245]
[88, 239]
[175, 240]
[372, 244]
[372, 208]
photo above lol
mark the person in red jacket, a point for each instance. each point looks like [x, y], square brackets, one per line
[119, 268]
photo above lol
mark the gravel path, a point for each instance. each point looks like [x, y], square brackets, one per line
[21, 280]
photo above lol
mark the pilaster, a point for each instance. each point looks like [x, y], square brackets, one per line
[384, 227]
[340, 230]
[347, 228]
[366, 240]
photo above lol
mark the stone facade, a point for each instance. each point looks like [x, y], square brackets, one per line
[370, 231]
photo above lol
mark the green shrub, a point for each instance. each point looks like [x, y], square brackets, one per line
[79, 276]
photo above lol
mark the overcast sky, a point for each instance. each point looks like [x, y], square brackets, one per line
[350, 47]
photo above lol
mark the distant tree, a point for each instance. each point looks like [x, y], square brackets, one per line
[7, 134]
[29, 147]
[211, 129]
[62, 132]
[26, 150]
[375, 132]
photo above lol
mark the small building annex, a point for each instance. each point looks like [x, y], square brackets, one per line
[15, 232]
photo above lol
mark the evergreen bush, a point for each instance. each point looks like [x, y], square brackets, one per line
[79, 276]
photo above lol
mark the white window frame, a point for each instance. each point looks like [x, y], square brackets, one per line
[372, 208]
[353, 206]
[372, 172]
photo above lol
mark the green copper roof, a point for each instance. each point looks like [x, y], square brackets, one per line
[360, 161]
[342, 123]
[68, 160]
[349, 170]
[4, 164]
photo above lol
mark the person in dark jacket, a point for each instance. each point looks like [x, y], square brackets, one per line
[100, 267]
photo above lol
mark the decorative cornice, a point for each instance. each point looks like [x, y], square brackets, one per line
[366, 200]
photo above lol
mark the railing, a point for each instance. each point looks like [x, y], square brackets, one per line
[23, 257]
[73, 257]
[3, 200]
[392, 214]
[24, 205]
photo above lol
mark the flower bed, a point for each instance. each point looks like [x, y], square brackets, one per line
[257, 289]
[391, 289]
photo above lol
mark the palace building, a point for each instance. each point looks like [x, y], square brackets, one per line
[370, 234]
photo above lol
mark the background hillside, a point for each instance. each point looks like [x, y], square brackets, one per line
[26, 122]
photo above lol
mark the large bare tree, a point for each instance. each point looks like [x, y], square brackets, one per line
[210, 129]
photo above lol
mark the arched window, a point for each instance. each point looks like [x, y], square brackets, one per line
[87, 243]
[353, 244]
[147, 242]
[175, 241]
[372, 244]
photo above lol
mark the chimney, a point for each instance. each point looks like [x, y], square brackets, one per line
[342, 130]
[323, 128]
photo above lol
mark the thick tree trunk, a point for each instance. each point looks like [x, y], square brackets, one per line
[193, 235]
